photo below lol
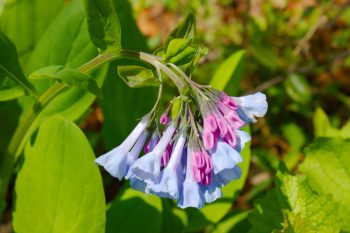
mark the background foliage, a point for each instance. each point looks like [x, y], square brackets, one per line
[296, 174]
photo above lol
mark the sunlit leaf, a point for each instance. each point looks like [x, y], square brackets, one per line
[294, 207]
[59, 188]
[25, 21]
[327, 167]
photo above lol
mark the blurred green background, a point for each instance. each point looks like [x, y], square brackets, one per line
[297, 52]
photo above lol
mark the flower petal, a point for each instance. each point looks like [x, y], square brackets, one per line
[115, 162]
[252, 106]
[224, 157]
[226, 176]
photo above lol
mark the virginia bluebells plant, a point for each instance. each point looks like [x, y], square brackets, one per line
[193, 148]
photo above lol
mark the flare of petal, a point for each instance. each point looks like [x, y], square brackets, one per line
[224, 157]
[115, 162]
[191, 195]
[243, 138]
[251, 106]
[212, 192]
[168, 186]
[139, 185]
[227, 175]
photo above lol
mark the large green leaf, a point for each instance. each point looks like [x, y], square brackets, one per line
[228, 76]
[294, 207]
[59, 188]
[13, 83]
[134, 212]
[25, 21]
[327, 167]
[103, 24]
[66, 43]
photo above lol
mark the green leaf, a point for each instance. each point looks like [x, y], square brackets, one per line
[133, 211]
[228, 75]
[323, 127]
[103, 24]
[186, 29]
[117, 97]
[294, 207]
[25, 21]
[176, 46]
[13, 83]
[70, 76]
[327, 167]
[66, 43]
[137, 76]
[184, 57]
[59, 188]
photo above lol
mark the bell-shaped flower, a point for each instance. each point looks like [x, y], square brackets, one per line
[148, 167]
[171, 178]
[115, 161]
[191, 194]
[251, 106]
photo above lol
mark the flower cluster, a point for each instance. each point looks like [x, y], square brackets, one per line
[191, 150]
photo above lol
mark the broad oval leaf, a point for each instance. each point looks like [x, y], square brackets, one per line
[133, 212]
[103, 24]
[60, 181]
[70, 76]
[13, 83]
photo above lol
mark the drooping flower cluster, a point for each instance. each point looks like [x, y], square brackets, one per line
[197, 152]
